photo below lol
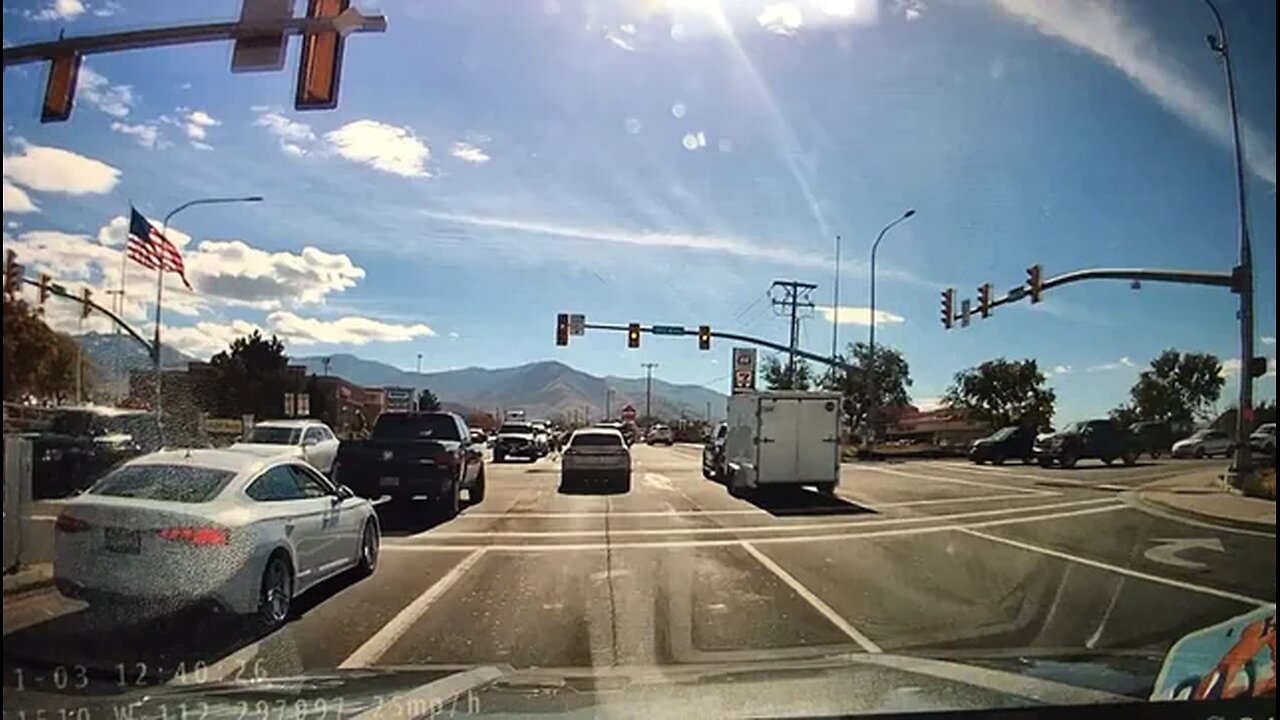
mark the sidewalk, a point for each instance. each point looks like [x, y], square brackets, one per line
[1204, 496]
[28, 578]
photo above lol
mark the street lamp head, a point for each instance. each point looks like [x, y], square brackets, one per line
[253, 198]
[908, 213]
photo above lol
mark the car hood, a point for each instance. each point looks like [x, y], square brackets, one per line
[1188, 442]
[516, 436]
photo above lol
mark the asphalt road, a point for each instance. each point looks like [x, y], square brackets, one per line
[937, 558]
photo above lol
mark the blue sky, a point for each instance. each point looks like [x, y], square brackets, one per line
[492, 164]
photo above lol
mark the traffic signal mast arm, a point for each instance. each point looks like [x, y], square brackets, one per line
[60, 291]
[726, 336]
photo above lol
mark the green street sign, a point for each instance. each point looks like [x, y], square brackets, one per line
[668, 329]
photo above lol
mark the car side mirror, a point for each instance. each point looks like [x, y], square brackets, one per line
[345, 492]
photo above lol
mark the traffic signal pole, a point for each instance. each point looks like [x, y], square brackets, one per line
[761, 342]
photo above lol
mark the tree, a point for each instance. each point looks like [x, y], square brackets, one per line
[37, 360]
[427, 401]
[777, 378]
[250, 377]
[1180, 388]
[1003, 392]
[893, 377]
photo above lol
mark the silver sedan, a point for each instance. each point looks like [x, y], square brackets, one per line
[181, 527]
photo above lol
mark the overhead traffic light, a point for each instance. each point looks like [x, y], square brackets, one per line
[633, 335]
[562, 329]
[85, 293]
[60, 90]
[984, 299]
[12, 273]
[704, 337]
[320, 65]
[948, 307]
[44, 287]
[1035, 282]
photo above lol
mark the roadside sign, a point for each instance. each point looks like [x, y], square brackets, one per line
[628, 413]
[264, 52]
[577, 324]
[399, 399]
[668, 330]
[966, 311]
[744, 369]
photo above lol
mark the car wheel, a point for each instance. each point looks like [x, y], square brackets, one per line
[1027, 460]
[451, 503]
[624, 485]
[1130, 457]
[1199, 453]
[369, 546]
[1046, 462]
[475, 495]
[826, 488]
[1107, 460]
[1068, 460]
[708, 473]
[978, 461]
[997, 460]
[276, 593]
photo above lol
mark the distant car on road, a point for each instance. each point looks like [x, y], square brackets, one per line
[1008, 443]
[516, 439]
[1263, 440]
[415, 454]
[660, 435]
[713, 453]
[182, 527]
[628, 429]
[1102, 439]
[542, 437]
[596, 455]
[1152, 437]
[310, 440]
[1204, 443]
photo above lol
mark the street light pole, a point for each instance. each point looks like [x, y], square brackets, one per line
[871, 340]
[648, 390]
[835, 304]
[1243, 462]
[164, 232]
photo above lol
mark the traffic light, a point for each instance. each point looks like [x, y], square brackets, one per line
[948, 307]
[704, 337]
[320, 66]
[85, 293]
[1035, 280]
[60, 90]
[562, 329]
[984, 299]
[44, 287]
[633, 335]
[12, 273]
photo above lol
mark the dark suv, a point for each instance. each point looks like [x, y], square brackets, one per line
[1153, 438]
[1015, 442]
[1102, 439]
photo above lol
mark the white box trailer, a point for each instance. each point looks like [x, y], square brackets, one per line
[783, 438]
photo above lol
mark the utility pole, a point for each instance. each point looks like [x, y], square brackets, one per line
[608, 403]
[326, 362]
[788, 297]
[648, 389]
[419, 363]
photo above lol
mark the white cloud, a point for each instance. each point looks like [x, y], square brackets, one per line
[117, 228]
[202, 118]
[1266, 339]
[197, 127]
[65, 255]
[454, 336]
[290, 149]
[60, 10]
[910, 9]
[467, 152]
[853, 315]
[1124, 362]
[694, 141]
[1231, 367]
[621, 40]
[293, 136]
[1103, 29]
[351, 330]
[146, 134]
[51, 169]
[205, 338]
[206, 147]
[381, 146]
[114, 100]
[781, 18]
[928, 404]
[107, 9]
[1061, 370]
[237, 272]
[16, 200]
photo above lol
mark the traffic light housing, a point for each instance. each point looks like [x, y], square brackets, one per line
[1035, 282]
[85, 293]
[948, 307]
[633, 335]
[562, 329]
[12, 273]
[704, 337]
[60, 89]
[44, 287]
[984, 299]
[320, 65]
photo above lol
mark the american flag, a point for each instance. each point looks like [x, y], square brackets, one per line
[151, 250]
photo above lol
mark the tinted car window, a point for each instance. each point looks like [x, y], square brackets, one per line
[174, 483]
[307, 484]
[276, 484]
[268, 435]
[313, 435]
[416, 427]
[596, 440]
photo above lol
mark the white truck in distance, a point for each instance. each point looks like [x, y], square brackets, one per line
[782, 438]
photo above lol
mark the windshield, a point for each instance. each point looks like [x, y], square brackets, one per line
[173, 483]
[268, 435]
[832, 269]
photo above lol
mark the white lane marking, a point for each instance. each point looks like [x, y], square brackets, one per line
[1181, 584]
[1167, 550]
[42, 518]
[667, 544]
[958, 481]
[823, 609]
[1143, 508]
[659, 481]
[381, 641]
[940, 501]
[517, 515]
[732, 529]
[1058, 476]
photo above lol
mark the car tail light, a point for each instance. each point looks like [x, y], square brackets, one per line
[70, 525]
[194, 535]
[447, 459]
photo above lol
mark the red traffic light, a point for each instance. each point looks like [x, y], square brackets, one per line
[984, 299]
[320, 65]
[633, 335]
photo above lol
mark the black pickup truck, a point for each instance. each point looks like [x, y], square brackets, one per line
[415, 454]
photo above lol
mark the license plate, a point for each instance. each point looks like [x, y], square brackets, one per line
[389, 482]
[589, 461]
[123, 541]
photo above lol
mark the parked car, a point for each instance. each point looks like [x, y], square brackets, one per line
[310, 440]
[541, 437]
[596, 455]
[176, 528]
[1015, 442]
[713, 453]
[1204, 443]
[412, 455]
[515, 439]
[83, 442]
[1152, 437]
[1263, 440]
[1103, 439]
[660, 435]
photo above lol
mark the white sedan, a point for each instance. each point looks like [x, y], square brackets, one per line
[183, 527]
[596, 454]
[310, 440]
[1203, 444]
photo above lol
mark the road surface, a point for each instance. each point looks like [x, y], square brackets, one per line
[936, 558]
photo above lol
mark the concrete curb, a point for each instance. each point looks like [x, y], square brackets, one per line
[1144, 497]
[28, 579]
